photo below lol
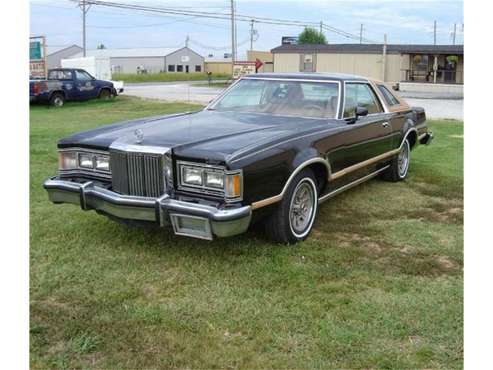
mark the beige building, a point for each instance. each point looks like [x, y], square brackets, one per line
[411, 63]
[265, 57]
[218, 65]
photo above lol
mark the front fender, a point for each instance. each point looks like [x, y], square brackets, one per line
[267, 180]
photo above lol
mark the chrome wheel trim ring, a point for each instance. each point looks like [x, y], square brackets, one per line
[58, 101]
[303, 207]
[403, 160]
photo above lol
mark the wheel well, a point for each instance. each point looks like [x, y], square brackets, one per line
[412, 138]
[321, 174]
[61, 92]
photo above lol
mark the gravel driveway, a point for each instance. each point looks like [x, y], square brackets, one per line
[190, 92]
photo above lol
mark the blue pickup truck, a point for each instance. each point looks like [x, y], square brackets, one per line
[64, 84]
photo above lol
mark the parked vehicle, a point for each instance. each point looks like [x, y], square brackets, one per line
[99, 67]
[272, 147]
[64, 84]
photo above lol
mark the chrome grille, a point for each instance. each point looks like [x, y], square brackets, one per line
[139, 174]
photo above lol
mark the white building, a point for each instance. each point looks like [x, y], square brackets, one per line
[150, 60]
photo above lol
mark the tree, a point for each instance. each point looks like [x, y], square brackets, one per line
[101, 46]
[311, 36]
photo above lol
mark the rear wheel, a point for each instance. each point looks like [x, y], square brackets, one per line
[399, 165]
[57, 100]
[293, 219]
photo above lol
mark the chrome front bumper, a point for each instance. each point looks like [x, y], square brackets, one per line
[189, 219]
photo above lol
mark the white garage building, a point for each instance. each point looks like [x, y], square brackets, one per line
[150, 60]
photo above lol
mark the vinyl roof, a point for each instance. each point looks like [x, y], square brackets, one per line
[371, 49]
[310, 76]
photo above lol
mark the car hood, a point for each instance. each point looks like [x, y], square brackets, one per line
[208, 134]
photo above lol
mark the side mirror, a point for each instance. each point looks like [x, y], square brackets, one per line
[360, 112]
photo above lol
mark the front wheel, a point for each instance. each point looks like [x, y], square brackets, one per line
[105, 94]
[293, 219]
[399, 166]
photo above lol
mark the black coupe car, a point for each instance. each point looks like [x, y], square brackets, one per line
[272, 147]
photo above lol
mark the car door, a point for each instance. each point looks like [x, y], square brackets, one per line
[364, 138]
[85, 85]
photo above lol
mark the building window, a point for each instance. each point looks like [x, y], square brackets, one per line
[421, 62]
[179, 68]
[198, 68]
[307, 63]
[171, 68]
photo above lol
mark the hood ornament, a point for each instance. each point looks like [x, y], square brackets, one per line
[139, 136]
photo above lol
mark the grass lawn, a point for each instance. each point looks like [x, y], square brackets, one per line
[167, 77]
[379, 284]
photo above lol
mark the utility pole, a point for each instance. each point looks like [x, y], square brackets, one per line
[454, 34]
[233, 56]
[251, 35]
[186, 41]
[85, 9]
[384, 56]
[434, 32]
[361, 33]
[321, 27]
[236, 34]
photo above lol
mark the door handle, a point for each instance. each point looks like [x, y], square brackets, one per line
[385, 124]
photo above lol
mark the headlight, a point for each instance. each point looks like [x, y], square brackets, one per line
[102, 163]
[212, 180]
[67, 160]
[85, 160]
[192, 176]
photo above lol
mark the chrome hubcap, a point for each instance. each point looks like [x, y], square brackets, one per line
[58, 102]
[403, 159]
[302, 207]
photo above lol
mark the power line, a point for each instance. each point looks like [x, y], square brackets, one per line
[219, 48]
[224, 16]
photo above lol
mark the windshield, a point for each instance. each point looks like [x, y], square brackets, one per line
[287, 98]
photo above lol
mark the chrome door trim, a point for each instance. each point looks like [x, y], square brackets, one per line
[360, 165]
[351, 184]
[371, 161]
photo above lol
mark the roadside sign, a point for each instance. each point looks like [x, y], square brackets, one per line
[35, 50]
[289, 40]
[37, 69]
[243, 68]
[37, 57]
[258, 64]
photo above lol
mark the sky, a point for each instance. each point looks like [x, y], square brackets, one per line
[404, 22]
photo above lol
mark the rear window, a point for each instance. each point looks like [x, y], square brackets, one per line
[388, 96]
[59, 75]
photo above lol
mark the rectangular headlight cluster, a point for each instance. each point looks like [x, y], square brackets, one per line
[211, 179]
[84, 160]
